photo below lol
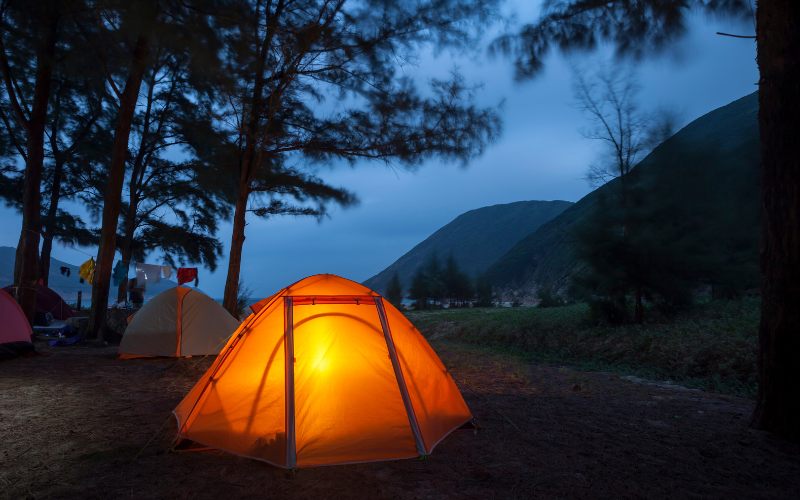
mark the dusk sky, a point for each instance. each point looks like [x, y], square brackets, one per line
[541, 155]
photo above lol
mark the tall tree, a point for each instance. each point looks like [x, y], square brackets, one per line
[317, 81]
[778, 44]
[394, 292]
[458, 288]
[120, 25]
[608, 97]
[73, 131]
[25, 101]
[642, 27]
[168, 206]
[127, 36]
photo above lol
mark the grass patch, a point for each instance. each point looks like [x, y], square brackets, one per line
[712, 346]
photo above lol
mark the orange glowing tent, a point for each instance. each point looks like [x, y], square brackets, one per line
[362, 384]
[180, 321]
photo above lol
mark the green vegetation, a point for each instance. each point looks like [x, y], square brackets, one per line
[699, 192]
[433, 284]
[711, 346]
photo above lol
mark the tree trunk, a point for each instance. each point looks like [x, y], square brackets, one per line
[778, 32]
[230, 299]
[249, 162]
[113, 193]
[49, 222]
[27, 258]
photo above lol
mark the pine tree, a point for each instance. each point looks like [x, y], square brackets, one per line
[419, 291]
[483, 292]
[28, 40]
[74, 130]
[128, 40]
[394, 292]
[286, 60]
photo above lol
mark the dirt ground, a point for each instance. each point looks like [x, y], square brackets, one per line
[77, 422]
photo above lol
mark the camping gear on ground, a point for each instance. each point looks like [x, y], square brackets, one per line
[54, 330]
[86, 271]
[180, 321]
[15, 331]
[187, 274]
[47, 302]
[323, 372]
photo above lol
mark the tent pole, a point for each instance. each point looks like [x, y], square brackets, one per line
[288, 348]
[401, 381]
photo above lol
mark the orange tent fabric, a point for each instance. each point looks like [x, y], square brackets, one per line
[362, 385]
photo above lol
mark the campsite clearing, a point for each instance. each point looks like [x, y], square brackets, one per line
[76, 421]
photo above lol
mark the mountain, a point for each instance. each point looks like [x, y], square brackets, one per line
[708, 169]
[67, 286]
[475, 239]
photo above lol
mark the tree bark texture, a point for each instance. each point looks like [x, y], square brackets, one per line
[49, 222]
[26, 271]
[230, 299]
[112, 198]
[778, 42]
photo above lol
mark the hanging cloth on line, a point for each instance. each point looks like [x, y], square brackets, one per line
[86, 271]
[147, 274]
[187, 274]
[120, 273]
[166, 272]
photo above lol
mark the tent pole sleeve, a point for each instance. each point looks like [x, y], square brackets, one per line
[179, 322]
[288, 348]
[401, 381]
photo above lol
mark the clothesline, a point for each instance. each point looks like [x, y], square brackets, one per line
[120, 272]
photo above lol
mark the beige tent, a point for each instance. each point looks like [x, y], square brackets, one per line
[180, 321]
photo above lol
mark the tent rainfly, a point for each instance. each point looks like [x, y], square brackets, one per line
[48, 301]
[15, 331]
[323, 372]
[177, 322]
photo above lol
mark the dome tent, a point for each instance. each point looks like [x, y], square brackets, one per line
[15, 333]
[177, 322]
[363, 383]
[48, 301]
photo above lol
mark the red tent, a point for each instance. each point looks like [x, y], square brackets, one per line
[48, 301]
[15, 334]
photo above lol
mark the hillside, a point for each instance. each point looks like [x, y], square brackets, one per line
[66, 286]
[708, 170]
[475, 238]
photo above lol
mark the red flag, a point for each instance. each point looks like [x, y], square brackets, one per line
[187, 274]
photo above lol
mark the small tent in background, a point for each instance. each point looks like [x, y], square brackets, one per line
[324, 372]
[180, 321]
[47, 302]
[15, 331]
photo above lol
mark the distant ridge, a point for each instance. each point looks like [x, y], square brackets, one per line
[475, 239]
[718, 152]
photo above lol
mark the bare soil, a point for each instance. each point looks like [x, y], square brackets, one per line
[77, 422]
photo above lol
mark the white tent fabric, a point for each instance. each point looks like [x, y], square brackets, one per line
[178, 322]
